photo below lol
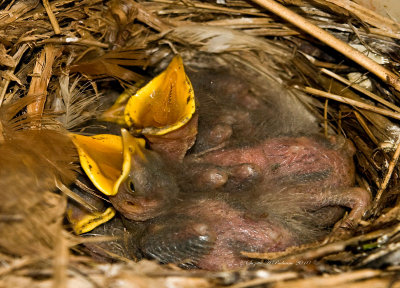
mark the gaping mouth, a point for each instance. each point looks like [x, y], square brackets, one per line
[163, 105]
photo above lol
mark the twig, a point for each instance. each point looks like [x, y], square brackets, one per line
[326, 106]
[380, 253]
[9, 5]
[17, 57]
[206, 6]
[309, 254]
[11, 217]
[361, 89]
[269, 279]
[351, 102]
[40, 79]
[368, 16]
[366, 128]
[18, 263]
[61, 260]
[52, 18]
[331, 41]
[75, 40]
[74, 196]
[325, 64]
[380, 32]
[331, 280]
[388, 175]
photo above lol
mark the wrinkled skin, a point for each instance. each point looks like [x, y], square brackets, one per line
[301, 187]
[242, 187]
[290, 160]
[209, 233]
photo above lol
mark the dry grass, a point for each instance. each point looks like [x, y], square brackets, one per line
[51, 53]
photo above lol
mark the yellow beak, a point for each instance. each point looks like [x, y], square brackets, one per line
[83, 221]
[131, 146]
[165, 104]
[116, 113]
[106, 158]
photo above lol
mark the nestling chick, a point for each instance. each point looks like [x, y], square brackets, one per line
[149, 189]
[251, 182]
[235, 112]
[304, 186]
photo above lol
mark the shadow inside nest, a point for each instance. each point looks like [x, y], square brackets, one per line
[263, 188]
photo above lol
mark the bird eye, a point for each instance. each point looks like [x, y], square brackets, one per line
[130, 186]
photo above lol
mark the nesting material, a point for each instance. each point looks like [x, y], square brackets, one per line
[61, 56]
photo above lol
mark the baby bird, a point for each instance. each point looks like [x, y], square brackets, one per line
[235, 112]
[303, 188]
[149, 189]
[253, 181]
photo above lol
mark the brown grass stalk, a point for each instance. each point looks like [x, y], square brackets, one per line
[352, 102]
[41, 77]
[361, 89]
[331, 41]
[387, 177]
[52, 17]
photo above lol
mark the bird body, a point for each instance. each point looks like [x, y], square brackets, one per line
[301, 193]
[256, 180]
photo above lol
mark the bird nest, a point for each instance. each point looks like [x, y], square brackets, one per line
[337, 59]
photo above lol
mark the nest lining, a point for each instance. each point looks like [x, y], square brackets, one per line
[60, 53]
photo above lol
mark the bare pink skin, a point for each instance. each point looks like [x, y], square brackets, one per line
[308, 177]
[235, 233]
[241, 189]
[280, 157]
[211, 234]
[281, 163]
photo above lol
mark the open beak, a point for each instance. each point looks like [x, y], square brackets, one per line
[106, 159]
[116, 113]
[165, 104]
[131, 146]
